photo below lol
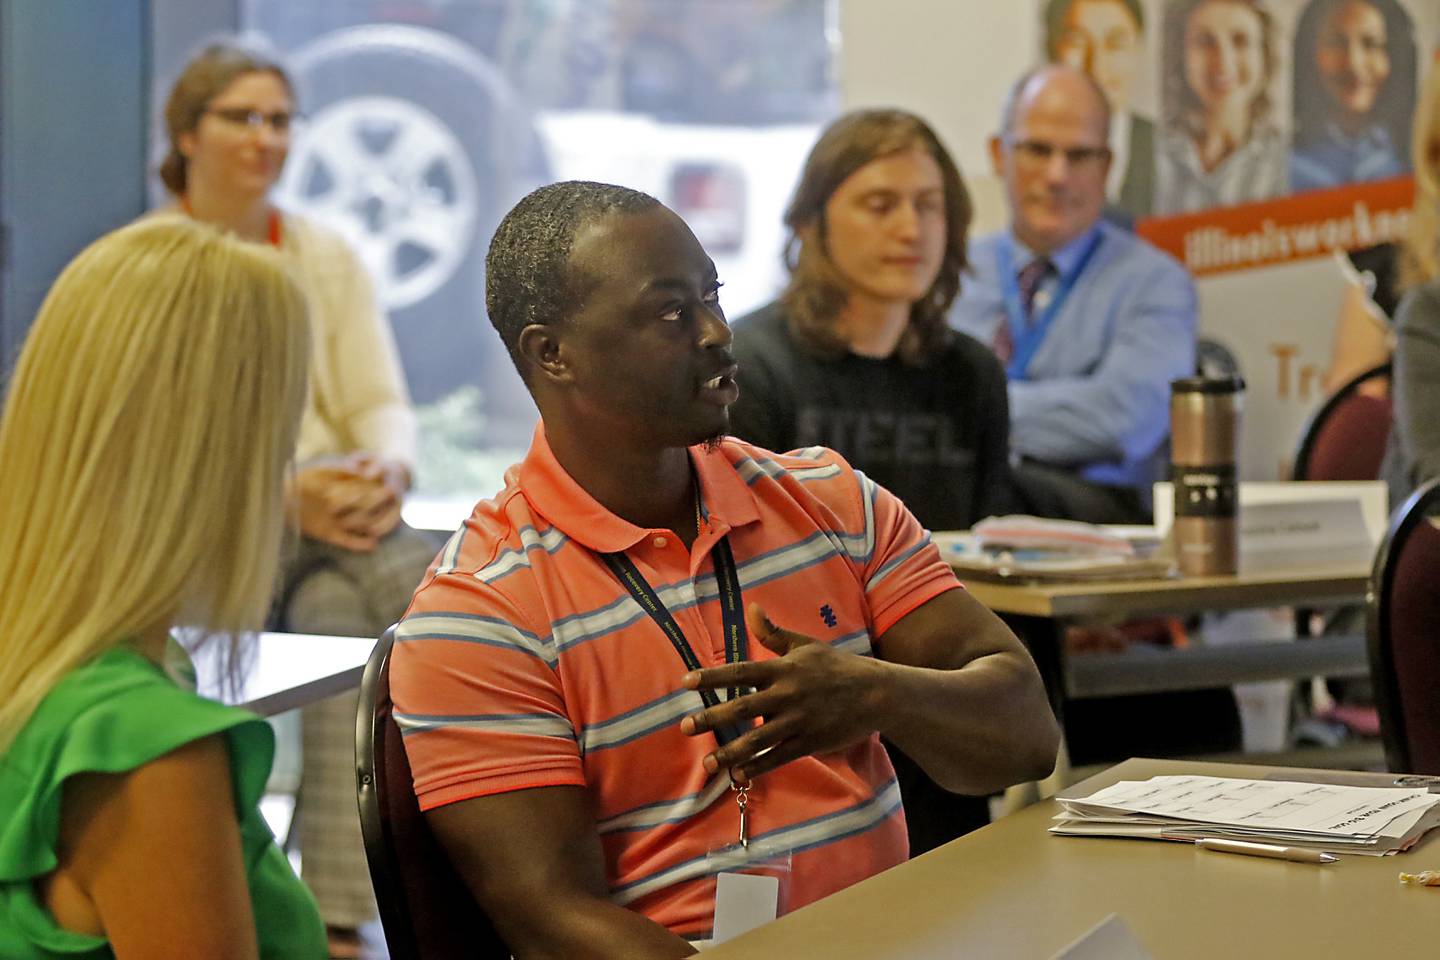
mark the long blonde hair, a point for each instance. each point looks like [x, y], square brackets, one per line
[143, 449]
[1420, 255]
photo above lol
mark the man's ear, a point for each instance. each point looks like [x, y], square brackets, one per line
[185, 143]
[997, 156]
[542, 351]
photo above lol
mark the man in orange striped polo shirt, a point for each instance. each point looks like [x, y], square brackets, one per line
[660, 655]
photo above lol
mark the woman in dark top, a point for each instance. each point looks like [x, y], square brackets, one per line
[856, 355]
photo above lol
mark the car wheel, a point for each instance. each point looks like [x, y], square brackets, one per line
[414, 148]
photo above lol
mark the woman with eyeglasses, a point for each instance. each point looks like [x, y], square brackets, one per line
[352, 564]
[145, 439]
[1220, 145]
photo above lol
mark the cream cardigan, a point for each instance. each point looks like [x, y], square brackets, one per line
[358, 400]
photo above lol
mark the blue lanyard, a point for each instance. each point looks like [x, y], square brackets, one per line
[1028, 337]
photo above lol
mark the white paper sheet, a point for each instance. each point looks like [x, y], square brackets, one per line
[1268, 805]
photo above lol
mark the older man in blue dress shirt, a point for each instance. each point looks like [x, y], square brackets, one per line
[1091, 323]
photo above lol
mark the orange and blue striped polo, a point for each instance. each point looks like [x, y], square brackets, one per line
[523, 662]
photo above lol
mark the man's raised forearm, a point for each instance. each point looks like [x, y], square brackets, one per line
[976, 729]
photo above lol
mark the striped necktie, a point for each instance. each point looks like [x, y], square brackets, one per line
[1028, 280]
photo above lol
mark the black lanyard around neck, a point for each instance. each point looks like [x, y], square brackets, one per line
[732, 613]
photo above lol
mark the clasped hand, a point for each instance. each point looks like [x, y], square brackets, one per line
[811, 699]
[349, 503]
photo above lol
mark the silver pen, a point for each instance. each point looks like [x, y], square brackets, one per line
[1271, 850]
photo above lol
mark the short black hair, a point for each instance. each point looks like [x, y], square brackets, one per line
[527, 269]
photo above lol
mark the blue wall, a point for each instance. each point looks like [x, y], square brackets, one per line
[73, 104]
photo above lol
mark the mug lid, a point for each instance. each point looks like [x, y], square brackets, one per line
[1208, 385]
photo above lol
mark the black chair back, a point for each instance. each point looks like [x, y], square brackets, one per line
[1403, 635]
[425, 908]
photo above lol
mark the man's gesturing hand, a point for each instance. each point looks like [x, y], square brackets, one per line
[812, 699]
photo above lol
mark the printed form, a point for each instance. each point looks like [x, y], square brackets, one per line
[1263, 805]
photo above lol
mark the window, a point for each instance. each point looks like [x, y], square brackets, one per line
[428, 119]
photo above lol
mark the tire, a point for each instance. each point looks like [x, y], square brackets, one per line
[414, 148]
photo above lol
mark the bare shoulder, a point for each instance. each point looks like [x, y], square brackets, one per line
[191, 777]
[118, 828]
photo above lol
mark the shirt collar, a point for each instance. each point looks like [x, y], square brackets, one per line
[1376, 137]
[1066, 259]
[554, 494]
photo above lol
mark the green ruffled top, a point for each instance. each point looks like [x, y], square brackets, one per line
[114, 714]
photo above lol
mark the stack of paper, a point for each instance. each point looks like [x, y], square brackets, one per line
[1023, 532]
[1032, 548]
[1314, 816]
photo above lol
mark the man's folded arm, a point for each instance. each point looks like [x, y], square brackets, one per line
[533, 861]
[1119, 410]
[963, 698]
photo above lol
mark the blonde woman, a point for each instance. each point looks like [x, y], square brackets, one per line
[1414, 453]
[144, 441]
[354, 563]
[1420, 254]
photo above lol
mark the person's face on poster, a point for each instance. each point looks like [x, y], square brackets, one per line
[1102, 38]
[1224, 56]
[1353, 59]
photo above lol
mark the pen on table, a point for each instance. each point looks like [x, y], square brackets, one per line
[1273, 851]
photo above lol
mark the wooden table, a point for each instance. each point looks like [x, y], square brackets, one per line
[284, 671]
[1039, 612]
[1011, 890]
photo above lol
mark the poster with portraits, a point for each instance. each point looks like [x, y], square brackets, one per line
[1254, 139]
[1293, 116]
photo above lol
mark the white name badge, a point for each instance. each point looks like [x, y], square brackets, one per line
[743, 901]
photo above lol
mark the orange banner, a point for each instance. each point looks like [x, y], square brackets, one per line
[1277, 231]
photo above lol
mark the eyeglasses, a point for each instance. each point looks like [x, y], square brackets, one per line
[1037, 153]
[281, 121]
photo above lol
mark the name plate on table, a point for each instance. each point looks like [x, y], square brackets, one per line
[1301, 524]
[1287, 535]
[1110, 939]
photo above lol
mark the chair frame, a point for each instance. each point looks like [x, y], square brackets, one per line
[1311, 434]
[380, 836]
[1378, 623]
[369, 777]
[1300, 470]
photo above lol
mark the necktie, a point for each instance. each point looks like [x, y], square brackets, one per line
[1028, 280]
